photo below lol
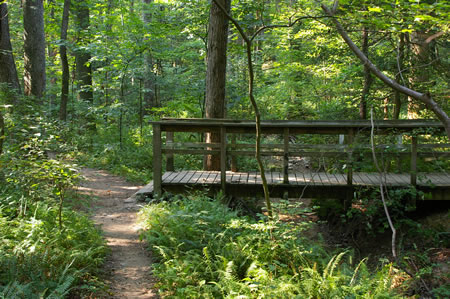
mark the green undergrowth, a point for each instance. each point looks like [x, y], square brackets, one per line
[48, 248]
[205, 250]
[38, 260]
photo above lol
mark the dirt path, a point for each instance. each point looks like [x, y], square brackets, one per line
[127, 268]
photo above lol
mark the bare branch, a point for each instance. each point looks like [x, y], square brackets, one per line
[434, 36]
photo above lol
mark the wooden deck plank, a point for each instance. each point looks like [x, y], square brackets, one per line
[171, 175]
[341, 178]
[194, 179]
[179, 176]
[292, 179]
[278, 178]
[300, 179]
[166, 175]
[214, 177]
[203, 177]
[235, 178]
[326, 179]
[244, 178]
[435, 178]
[187, 177]
[252, 178]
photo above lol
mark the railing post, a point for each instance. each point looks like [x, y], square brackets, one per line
[223, 159]
[233, 157]
[157, 160]
[286, 156]
[397, 157]
[350, 158]
[169, 142]
[414, 160]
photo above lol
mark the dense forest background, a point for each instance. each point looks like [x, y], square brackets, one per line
[147, 59]
[81, 80]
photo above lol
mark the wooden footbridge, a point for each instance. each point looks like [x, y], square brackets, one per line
[412, 153]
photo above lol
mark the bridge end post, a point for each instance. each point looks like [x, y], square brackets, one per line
[157, 160]
[223, 159]
[286, 156]
[414, 160]
[350, 158]
[169, 142]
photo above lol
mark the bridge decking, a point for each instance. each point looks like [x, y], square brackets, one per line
[243, 182]
[342, 142]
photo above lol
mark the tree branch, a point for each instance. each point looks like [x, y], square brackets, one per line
[423, 97]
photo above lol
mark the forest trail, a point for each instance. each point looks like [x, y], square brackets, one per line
[127, 267]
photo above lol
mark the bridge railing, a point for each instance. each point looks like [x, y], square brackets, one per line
[348, 131]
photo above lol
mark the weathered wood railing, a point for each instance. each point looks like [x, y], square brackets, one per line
[349, 129]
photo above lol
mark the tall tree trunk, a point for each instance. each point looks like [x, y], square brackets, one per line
[8, 71]
[149, 78]
[82, 56]
[216, 72]
[367, 77]
[34, 47]
[64, 62]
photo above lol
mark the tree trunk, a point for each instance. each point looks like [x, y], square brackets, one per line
[216, 73]
[8, 71]
[82, 56]
[367, 77]
[64, 62]
[149, 78]
[34, 48]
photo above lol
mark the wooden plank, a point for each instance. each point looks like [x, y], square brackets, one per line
[203, 179]
[189, 151]
[436, 179]
[252, 178]
[214, 177]
[269, 177]
[166, 175]
[148, 189]
[258, 178]
[186, 179]
[350, 158]
[399, 179]
[223, 158]
[414, 160]
[286, 156]
[236, 178]
[292, 179]
[341, 179]
[333, 179]
[233, 157]
[169, 157]
[309, 178]
[228, 176]
[244, 178]
[278, 178]
[194, 179]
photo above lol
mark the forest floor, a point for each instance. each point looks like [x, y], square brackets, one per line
[127, 267]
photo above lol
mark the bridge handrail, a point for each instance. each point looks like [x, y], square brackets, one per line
[349, 128]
